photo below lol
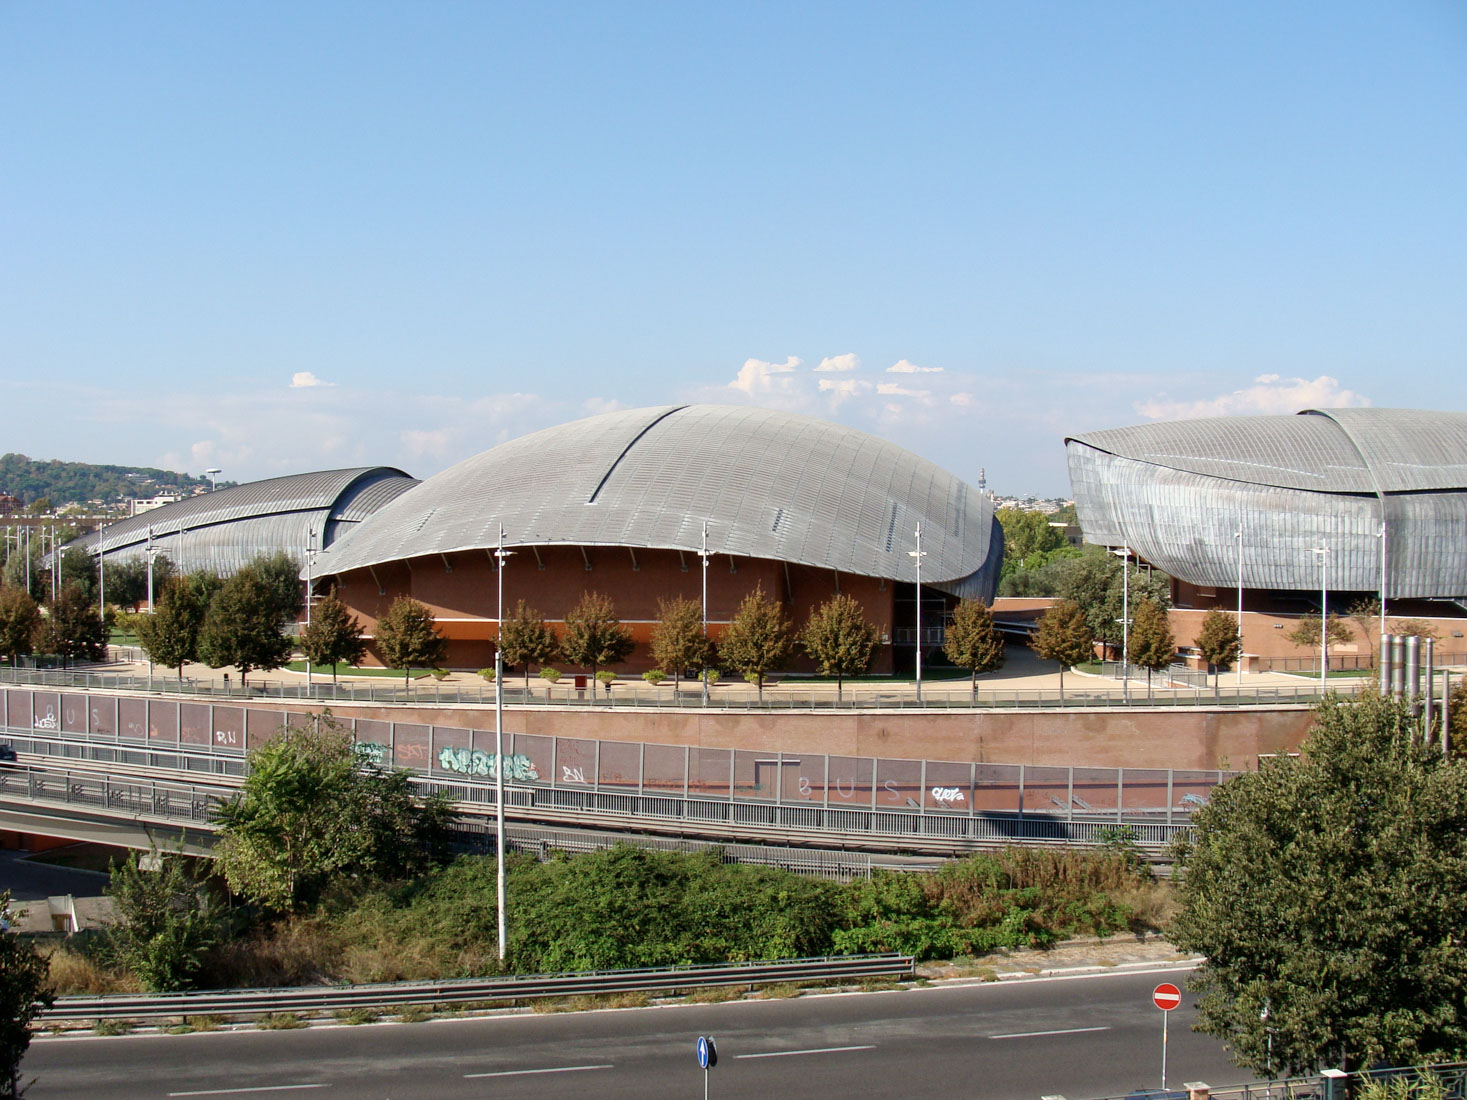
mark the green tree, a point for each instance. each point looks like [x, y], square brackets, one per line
[1026, 535]
[1219, 641]
[839, 640]
[1064, 635]
[15, 572]
[525, 638]
[407, 637]
[127, 582]
[312, 811]
[20, 618]
[757, 641]
[973, 642]
[678, 639]
[1365, 613]
[242, 627]
[170, 635]
[594, 635]
[73, 628]
[1152, 645]
[24, 994]
[79, 568]
[334, 635]
[281, 575]
[1306, 634]
[166, 923]
[1328, 889]
[1094, 579]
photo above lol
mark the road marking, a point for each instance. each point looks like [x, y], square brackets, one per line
[1037, 1034]
[528, 1072]
[816, 1050]
[256, 1088]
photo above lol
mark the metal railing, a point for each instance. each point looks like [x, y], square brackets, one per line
[1338, 1085]
[786, 695]
[256, 1002]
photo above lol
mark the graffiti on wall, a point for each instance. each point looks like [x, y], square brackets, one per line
[475, 762]
[370, 752]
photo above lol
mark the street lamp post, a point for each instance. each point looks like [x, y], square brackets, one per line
[1384, 685]
[150, 568]
[1124, 553]
[310, 590]
[703, 554]
[1323, 551]
[918, 555]
[1238, 661]
[500, 891]
[212, 473]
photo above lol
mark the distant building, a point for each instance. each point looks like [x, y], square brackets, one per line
[138, 507]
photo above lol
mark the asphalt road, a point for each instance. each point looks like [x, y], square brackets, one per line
[1079, 1037]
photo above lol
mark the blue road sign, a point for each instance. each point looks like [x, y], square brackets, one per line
[707, 1052]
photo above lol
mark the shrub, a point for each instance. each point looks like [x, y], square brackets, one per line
[654, 676]
[550, 675]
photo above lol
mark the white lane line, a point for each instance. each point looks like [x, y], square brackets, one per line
[1038, 1034]
[817, 1050]
[528, 1072]
[256, 1088]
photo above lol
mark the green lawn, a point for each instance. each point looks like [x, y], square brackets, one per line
[347, 670]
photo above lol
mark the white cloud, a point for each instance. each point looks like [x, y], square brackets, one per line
[892, 389]
[757, 377]
[906, 366]
[304, 379]
[961, 400]
[1270, 394]
[839, 362]
[594, 405]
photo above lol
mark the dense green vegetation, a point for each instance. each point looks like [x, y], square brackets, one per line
[627, 906]
[31, 479]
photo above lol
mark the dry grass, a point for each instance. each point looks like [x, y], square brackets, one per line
[584, 1003]
[297, 952]
[781, 991]
[1152, 904]
[76, 974]
[280, 1021]
[414, 1014]
[716, 994]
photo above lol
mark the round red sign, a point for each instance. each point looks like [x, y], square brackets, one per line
[1166, 996]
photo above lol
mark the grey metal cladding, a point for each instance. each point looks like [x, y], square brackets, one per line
[1184, 520]
[651, 477]
[225, 529]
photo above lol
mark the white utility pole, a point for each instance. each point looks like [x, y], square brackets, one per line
[500, 890]
[1323, 551]
[919, 555]
[310, 563]
[1239, 662]
[703, 554]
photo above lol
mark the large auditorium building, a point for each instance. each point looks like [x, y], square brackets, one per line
[621, 504]
[1376, 496]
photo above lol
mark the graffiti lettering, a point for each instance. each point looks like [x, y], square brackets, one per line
[226, 737]
[947, 794]
[371, 752]
[891, 787]
[804, 786]
[841, 790]
[571, 775]
[475, 762]
[46, 721]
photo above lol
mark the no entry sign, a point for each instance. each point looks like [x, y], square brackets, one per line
[1166, 996]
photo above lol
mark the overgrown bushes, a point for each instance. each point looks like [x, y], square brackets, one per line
[627, 907]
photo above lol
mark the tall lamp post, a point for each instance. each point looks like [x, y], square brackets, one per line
[310, 591]
[703, 554]
[1238, 661]
[1384, 685]
[1124, 553]
[500, 556]
[918, 555]
[1323, 551]
[212, 473]
[150, 553]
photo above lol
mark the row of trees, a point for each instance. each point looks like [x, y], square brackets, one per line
[70, 626]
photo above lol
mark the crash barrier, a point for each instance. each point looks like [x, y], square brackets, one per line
[256, 1002]
[1446, 1081]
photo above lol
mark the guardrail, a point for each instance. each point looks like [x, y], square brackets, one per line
[255, 1002]
[788, 695]
[1332, 1084]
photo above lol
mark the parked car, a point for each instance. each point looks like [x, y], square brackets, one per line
[7, 754]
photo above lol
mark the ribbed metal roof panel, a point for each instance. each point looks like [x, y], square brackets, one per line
[225, 529]
[770, 484]
[1408, 450]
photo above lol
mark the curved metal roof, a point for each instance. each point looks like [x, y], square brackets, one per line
[223, 529]
[769, 484]
[1321, 450]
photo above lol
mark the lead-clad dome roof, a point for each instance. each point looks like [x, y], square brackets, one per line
[1321, 450]
[769, 484]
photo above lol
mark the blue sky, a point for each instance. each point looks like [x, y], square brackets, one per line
[275, 237]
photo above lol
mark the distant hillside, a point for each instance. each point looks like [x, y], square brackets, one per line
[64, 482]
